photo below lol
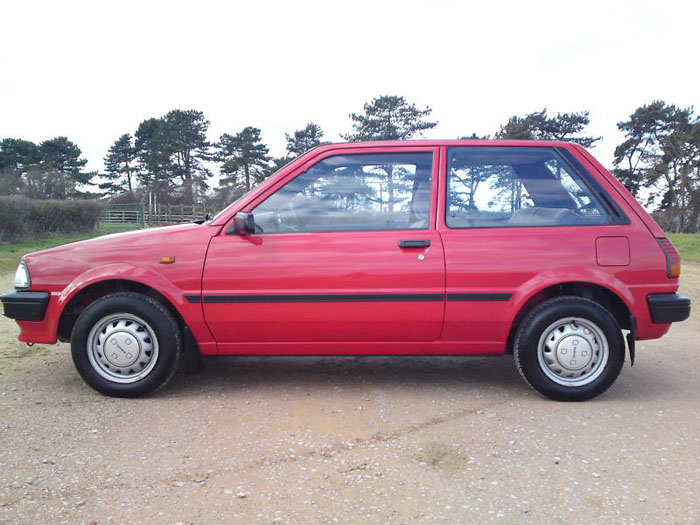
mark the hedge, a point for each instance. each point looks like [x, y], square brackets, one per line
[22, 218]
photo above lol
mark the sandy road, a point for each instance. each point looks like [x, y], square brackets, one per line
[352, 440]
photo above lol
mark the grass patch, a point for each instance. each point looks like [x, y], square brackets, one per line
[688, 245]
[10, 254]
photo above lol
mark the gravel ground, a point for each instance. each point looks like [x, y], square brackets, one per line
[352, 440]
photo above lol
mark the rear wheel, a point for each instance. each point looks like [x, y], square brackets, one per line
[569, 349]
[126, 345]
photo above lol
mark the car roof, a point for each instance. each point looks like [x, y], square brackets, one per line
[441, 142]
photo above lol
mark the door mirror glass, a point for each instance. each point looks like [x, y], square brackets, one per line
[243, 224]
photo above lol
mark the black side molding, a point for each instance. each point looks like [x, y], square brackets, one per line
[348, 298]
[479, 296]
[324, 298]
[25, 306]
[668, 307]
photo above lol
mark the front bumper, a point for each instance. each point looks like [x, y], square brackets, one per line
[668, 307]
[25, 306]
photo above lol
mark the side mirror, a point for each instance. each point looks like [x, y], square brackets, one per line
[243, 223]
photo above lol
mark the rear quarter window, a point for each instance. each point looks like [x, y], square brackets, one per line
[492, 187]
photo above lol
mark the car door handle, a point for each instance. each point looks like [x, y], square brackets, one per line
[414, 244]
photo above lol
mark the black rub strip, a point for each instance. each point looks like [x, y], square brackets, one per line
[323, 298]
[479, 296]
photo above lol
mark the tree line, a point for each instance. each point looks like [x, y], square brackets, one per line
[172, 156]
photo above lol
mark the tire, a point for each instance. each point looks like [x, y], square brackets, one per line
[569, 349]
[126, 345]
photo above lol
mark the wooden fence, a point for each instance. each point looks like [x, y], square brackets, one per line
[174, 213]
[140, 215]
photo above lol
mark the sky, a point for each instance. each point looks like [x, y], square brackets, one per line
[94, 70]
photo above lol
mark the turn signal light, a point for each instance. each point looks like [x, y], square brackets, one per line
[167, 260]
[673, 259]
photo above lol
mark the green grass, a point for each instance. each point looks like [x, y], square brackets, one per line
[688, 245]
[10, 254]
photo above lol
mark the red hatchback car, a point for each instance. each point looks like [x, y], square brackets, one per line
[427, 247]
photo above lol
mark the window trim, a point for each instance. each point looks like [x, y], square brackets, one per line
[615, 216]
[434, 151]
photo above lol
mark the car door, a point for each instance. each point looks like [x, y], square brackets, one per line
[346, 250]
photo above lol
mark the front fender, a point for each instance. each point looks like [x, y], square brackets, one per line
[190, 312]
[125, 272]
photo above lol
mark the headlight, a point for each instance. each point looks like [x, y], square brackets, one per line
[22, 279]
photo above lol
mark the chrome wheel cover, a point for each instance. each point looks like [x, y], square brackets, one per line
[573, 351]
[122, 348]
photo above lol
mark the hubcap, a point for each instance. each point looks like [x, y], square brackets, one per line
[573, 351]
[122, 348]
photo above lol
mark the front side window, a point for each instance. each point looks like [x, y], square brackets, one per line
[358, 192]
[491, 187]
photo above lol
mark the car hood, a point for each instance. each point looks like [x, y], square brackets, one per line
[53, 268]
[119, 241]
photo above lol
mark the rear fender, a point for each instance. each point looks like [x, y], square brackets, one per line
[571, 275]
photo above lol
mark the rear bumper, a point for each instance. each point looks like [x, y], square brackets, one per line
[668, 307]
[25, 306]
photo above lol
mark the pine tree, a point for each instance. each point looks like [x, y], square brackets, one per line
[244, 158]
[172, 153]
[538, 126]
[298, 143]
[120, 166]
[62, 169]
[186, 132]
[17, 157]
[302, 140]
[389, 118]
[153, 152]
[661, 153]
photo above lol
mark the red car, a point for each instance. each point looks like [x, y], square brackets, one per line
[428, 247]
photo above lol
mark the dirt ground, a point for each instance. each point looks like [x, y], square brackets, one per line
[352, 440]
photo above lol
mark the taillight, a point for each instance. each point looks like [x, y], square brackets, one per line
[673, 259]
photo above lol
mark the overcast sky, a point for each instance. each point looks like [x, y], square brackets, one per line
[94, 70]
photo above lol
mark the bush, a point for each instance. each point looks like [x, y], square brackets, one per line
[22, 218]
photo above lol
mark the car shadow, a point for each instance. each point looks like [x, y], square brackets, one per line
[472, 375]
[233, 373]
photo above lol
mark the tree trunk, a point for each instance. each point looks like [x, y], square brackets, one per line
[189, 194]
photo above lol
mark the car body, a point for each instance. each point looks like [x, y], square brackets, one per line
[417, 247]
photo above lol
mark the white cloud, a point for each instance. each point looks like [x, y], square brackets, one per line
[94, 70]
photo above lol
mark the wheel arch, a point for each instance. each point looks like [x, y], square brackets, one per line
[608, 298]
[88, 294]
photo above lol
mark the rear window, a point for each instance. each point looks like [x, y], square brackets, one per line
[501, 187]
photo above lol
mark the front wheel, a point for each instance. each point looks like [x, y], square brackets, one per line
[126, 345]
[569, 349]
